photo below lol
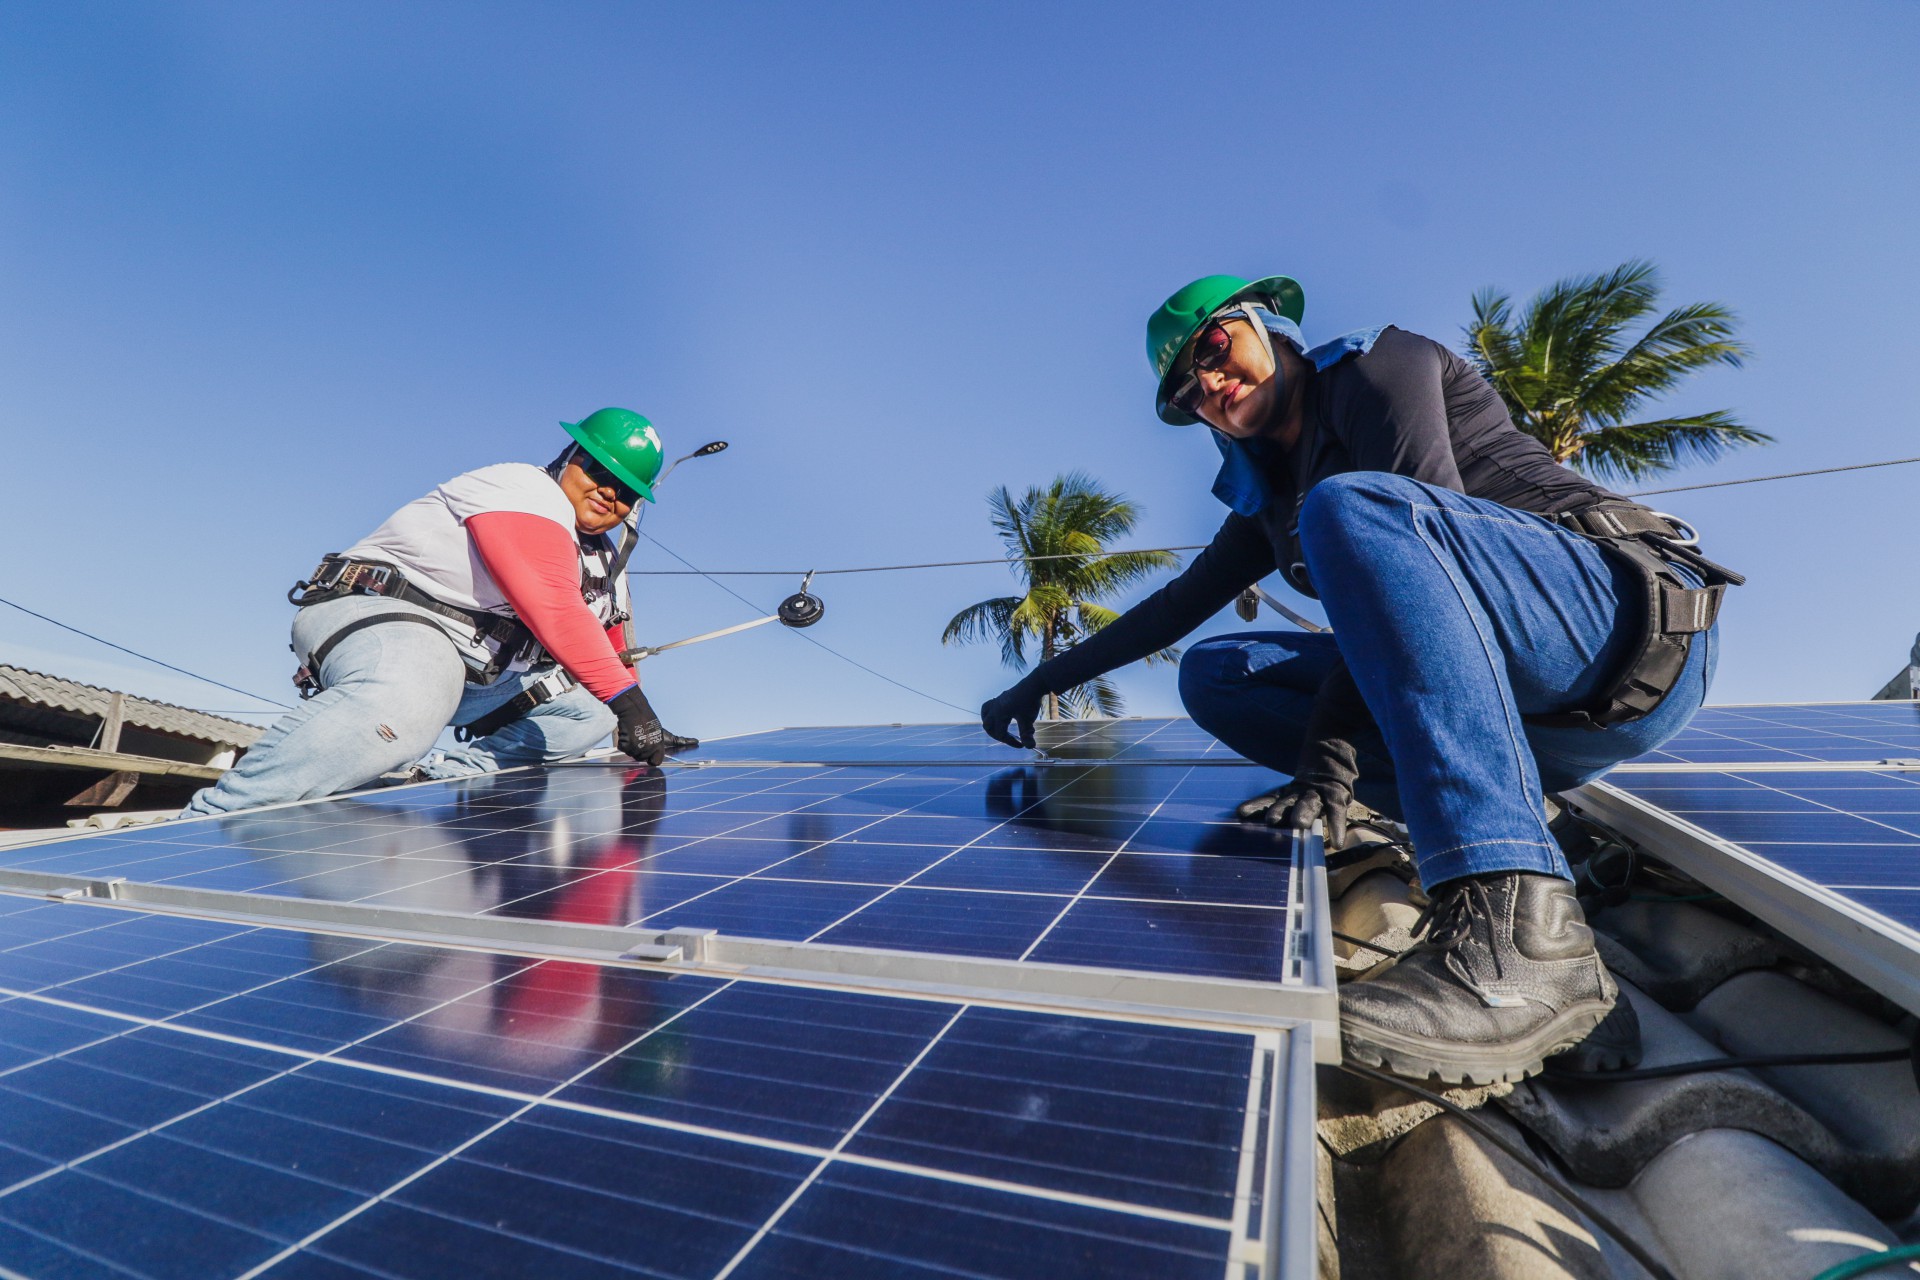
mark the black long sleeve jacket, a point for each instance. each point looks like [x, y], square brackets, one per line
[1407, 406]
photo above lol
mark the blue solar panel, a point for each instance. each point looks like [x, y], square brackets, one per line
[1068, 864]
[1856, 834]
[1786, 733]
[189, 1098]
[1118, 740]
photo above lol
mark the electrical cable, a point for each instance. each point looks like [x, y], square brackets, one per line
[967, 711]
[1731, 1064]
[245, 693]
[1527, 1160]
[895, 568]
[1784, 475]
[1104, 555]
[1868, 1262]
[1348, 938]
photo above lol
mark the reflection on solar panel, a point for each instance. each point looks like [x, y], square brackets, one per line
[1789, 733]
[1121, 740]
[195, 1098]
[765, 1020]
[1829, 857]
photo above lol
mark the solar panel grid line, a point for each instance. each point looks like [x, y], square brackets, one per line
[139, 1023]
[1264, 1045]
[1082, 893]
[417, 1174]
[1083, 1200]
[1870, 946]
[733, 1263]
[819, 844]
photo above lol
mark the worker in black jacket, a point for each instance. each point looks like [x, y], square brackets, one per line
[1500, 625]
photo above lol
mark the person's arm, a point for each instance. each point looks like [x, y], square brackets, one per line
[1389, 408]
[1238, 556]
[536, 564]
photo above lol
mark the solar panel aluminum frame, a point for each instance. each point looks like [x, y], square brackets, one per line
[1306, 998]
[1879, 952]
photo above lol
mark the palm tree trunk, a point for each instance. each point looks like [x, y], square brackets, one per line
[1046, 651]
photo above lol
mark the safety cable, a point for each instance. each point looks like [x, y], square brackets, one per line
[1348, 938]
[1107, 555]
[966, 711]
[1532, 1163]
[245, 693]
[1784, 475]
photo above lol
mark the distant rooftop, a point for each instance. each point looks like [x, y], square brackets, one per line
[41, 690]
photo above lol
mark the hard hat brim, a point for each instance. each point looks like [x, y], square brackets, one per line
[1285, 298]
[620, 469]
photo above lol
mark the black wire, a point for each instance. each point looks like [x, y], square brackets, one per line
[1389, 952]
[966, 711]
[1784, 475]
[1527, 1160]
[896, 568]
[1731, 1064]
[245, 693]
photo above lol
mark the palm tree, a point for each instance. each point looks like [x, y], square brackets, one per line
[1072, 519]
[1574, 380]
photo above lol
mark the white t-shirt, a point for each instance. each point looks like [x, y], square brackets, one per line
[428, 539]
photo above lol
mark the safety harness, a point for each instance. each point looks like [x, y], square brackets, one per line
[1653, 545]
[537, 694]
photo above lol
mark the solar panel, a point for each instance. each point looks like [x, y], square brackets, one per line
[1131, 740]
[1042, 866]
[1831, 858]
[192, 1097]
[1789, 733]
[1007, 1018]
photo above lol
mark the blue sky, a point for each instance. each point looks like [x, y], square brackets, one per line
[269, 271]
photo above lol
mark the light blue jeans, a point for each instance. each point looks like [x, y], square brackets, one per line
[389, 691]
[1457, 617]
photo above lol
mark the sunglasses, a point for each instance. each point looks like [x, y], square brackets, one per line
[1209, 350]
[605, 479]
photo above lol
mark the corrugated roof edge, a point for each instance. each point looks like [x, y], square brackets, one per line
[41, 689]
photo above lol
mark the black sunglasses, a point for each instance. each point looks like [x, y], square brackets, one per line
[597, 472]
[1209, 350]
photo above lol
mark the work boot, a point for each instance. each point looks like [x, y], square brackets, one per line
[1506, 975]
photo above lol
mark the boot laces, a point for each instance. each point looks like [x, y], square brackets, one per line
[1449, 917]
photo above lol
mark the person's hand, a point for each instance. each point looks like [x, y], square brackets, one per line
[1296, 806]
[639, 733]
[1019, 705]
[677, 745]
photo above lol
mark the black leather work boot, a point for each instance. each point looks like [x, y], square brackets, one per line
[1506, 976]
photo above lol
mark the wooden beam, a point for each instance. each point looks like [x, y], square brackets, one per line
[88, 758]
[108, 792]
[110, 727]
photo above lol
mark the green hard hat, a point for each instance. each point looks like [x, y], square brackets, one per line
[624, 443]
[1179, 318]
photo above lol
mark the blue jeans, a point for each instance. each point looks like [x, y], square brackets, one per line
[389, 691]
[1457, 616]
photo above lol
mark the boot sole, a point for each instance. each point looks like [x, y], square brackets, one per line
[1510, 1064]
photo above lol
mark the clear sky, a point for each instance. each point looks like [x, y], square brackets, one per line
[269, 271]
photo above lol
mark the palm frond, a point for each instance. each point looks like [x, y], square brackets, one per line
[1572, 376]
[1638, 450]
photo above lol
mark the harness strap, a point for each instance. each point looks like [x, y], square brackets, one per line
[338, 575]
[1674, 610]
[541, 693]
[307, 679]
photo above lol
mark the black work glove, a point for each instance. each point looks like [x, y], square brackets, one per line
[1322, 785]
[1296, 806]
[1021, 705]
[677, 745]
[639, 733]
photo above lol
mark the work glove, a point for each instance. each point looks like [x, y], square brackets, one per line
[677, 745]
[639, 733]
[1296, 806]
[1322, 785]
[1021, 706]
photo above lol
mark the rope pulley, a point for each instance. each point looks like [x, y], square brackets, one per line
[802, 608]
